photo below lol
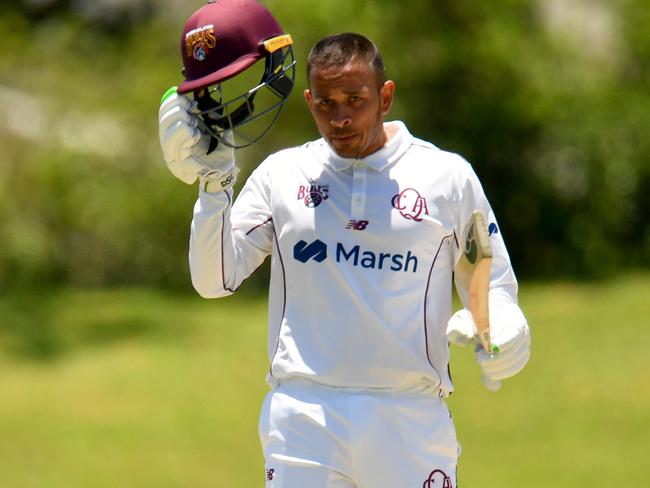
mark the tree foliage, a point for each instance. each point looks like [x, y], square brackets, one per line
[547, 99]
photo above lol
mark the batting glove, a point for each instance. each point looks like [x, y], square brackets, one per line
[509, 333]
[186, 148]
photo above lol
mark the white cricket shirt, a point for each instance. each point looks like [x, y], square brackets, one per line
[362, 258]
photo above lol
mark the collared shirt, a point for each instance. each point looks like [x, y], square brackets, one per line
[362, 258]
[377, 161]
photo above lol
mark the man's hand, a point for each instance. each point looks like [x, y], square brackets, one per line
[185, 147]
[510, 334]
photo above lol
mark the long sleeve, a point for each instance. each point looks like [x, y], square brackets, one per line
[228, 242]
[352, 303]
[503, 284]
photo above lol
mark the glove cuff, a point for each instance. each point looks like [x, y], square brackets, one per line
[212, 184]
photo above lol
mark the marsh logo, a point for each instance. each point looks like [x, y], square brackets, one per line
[317, 251]
[356, 256]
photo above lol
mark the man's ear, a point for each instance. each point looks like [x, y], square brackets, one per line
[386, 93]
[307, 94]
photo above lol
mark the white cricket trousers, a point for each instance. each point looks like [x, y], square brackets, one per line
[315, 436]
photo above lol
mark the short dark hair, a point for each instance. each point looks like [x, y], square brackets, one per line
[339, 49]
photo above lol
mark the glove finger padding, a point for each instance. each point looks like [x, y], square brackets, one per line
[221, 156]
[175, 100]
[177, 127]
[187, 170]
[174, 108]
[186, 149]
[507, 362]
[510, 333]
[506, 321]
[179, 140]
[173, 114]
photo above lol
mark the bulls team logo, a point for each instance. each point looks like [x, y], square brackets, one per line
[411, 205]
[198, 42]
[438, 479]
[313, 195]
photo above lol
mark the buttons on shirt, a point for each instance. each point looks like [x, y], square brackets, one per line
[359, 177]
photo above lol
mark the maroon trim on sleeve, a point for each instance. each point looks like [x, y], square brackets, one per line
[270, 219]
[284, 303]
[223, 274]
[426, 293]
[223, 225]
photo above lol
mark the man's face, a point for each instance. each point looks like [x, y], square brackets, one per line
[349, 106]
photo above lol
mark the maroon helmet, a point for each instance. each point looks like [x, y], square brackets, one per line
[223, 39]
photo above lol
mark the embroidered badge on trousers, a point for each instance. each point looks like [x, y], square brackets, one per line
[438, 479]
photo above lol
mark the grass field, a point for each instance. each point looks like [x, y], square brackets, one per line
[138, 388]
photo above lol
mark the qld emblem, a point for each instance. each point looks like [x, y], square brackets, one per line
[437, 479]
[411, 205]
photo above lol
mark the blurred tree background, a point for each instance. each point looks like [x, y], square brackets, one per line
[548, 100]
[114, 373]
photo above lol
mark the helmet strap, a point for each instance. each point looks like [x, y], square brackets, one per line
[274, 76]
[217, 116]
[208, 106]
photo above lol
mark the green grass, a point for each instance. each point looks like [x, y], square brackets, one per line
[578, 415]
[139, 388]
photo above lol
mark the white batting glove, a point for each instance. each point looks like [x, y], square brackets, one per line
[509, 333]
[185, 146]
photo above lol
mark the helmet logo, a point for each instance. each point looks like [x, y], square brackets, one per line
[199, 41]
[199, 52]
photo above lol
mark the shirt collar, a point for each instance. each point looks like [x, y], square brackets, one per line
[379, 160]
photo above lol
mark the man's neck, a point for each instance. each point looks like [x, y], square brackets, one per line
[389, 131]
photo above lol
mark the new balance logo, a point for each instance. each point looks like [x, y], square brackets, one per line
[317, 251]
[357, 224]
